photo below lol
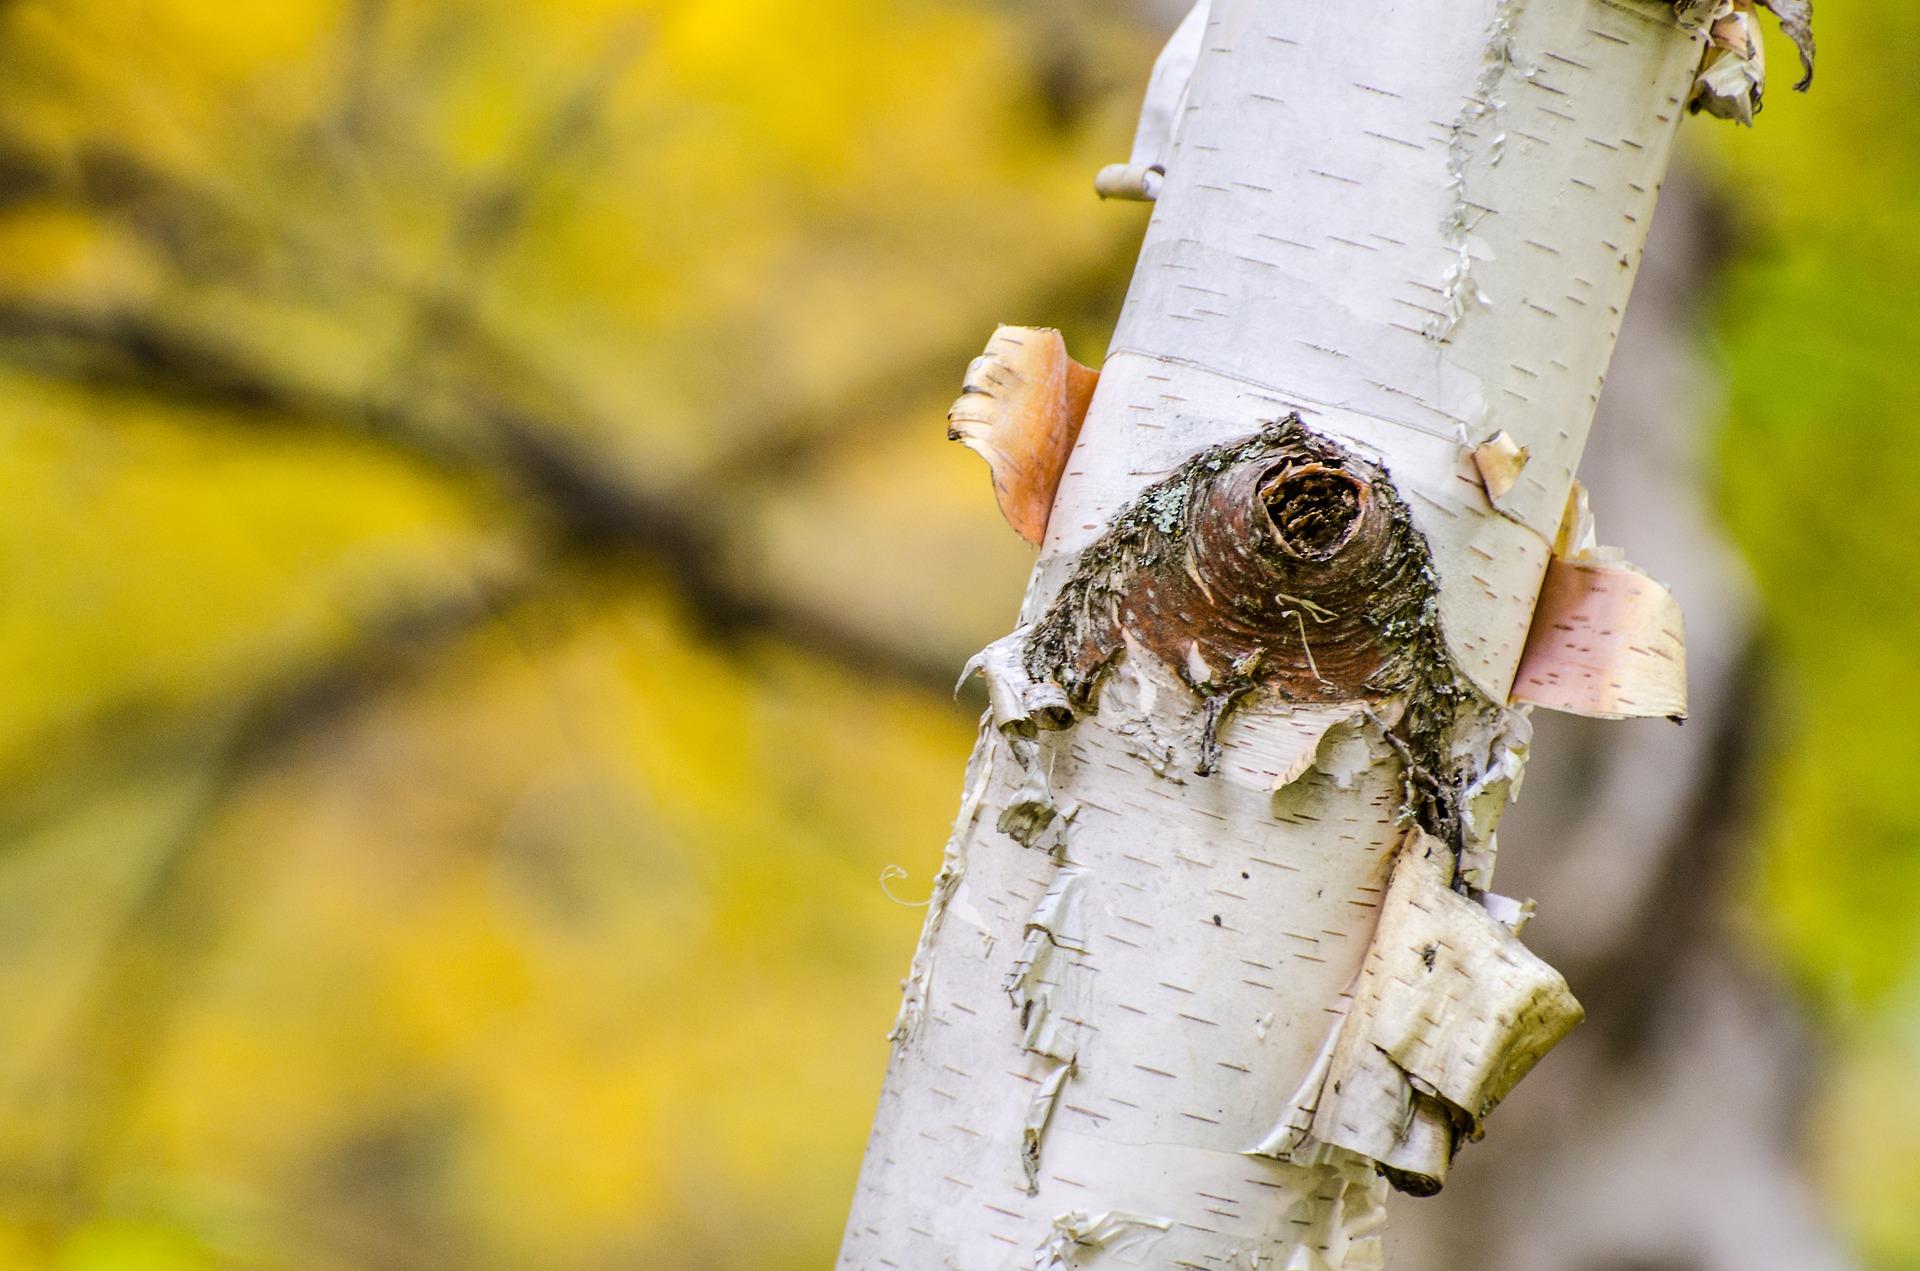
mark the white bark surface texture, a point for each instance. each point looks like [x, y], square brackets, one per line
[1158, 1016]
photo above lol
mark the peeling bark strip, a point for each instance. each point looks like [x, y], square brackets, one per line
[1202, 1021]
[1450, 1013]
[1020, 409]
[1048, 981]
[1607, 642]
[1077, 1239]
[1141, 177]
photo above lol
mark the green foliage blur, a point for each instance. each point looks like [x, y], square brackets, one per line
[480, 584]
[1819, 462]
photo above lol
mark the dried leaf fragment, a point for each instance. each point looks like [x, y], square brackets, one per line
[1020, 409]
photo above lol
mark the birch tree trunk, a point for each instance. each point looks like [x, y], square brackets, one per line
[1213, 955]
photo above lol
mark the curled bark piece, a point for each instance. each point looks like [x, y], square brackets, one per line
[1733, 74]
[1370, 1106]
[1133, 182]
[1021, 707]
[1020, 409]
[1076, 1236]
[1499, 460]
[1607, 642]
[1140, 178]
[1462, 1006]
[1450, 1012]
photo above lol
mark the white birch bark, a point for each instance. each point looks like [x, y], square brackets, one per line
[1416, 226]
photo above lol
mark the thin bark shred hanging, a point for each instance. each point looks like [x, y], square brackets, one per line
[1796, 23]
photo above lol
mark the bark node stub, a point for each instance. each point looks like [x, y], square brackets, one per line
[1284, 562]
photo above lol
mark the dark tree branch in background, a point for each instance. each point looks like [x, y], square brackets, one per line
[140, 352]
[587, 516]
[1715, 826]
[574, 497]
[497, 211]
